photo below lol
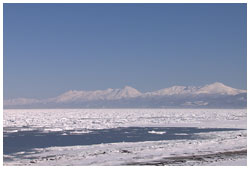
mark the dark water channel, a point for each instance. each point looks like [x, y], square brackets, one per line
[27, 140]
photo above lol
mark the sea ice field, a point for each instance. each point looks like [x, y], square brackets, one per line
[72, 137]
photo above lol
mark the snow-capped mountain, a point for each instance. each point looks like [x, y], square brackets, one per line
[174, 90]
[215, 88]
[212, 95]
[219, 88]
[109, 94]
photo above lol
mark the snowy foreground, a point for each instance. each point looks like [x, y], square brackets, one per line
[125, 137]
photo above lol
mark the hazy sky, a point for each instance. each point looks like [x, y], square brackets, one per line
[52, 48]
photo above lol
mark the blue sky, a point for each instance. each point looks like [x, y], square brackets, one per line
[52, 48]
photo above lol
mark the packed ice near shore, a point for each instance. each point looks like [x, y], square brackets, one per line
[125, 136]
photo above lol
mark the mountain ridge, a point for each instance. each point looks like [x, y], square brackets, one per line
[128, 95]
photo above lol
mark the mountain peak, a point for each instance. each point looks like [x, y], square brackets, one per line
[128, 91]
[218, 88]
[128, 88]
[218, 84]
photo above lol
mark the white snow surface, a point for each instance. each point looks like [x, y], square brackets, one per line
[71, 119]
[83, 120]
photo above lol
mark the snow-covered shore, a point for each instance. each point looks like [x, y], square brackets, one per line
[154, 122]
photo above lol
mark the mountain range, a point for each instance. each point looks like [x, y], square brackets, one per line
[216, 95]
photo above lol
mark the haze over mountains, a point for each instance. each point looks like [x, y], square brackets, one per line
[216, 95]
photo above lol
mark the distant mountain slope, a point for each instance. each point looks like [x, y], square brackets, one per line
[216, 95]
[215, 88]
[109, 94]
